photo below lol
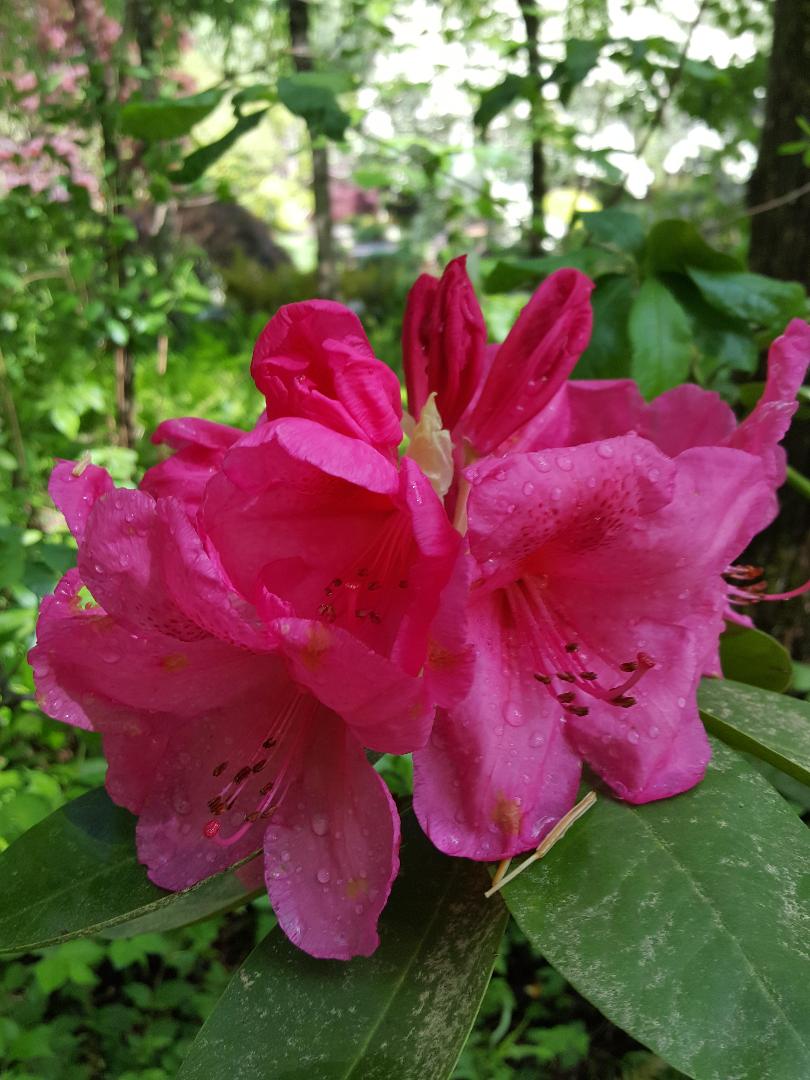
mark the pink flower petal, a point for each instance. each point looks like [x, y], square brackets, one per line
[535, 359]
[200, 446]
[332, 848]
[74, 488]
[313, 360]
[497, 773]
[387, 710]
[687, 416]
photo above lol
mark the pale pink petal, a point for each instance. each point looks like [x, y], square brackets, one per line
[534, 360]
[386, 709]
[313, 360]
[497, 773]
[443, 342]
[74, 488]
[332, 848]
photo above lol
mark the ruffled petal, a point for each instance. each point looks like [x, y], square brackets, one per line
[313, 360]
[535, 359]
[498, 772]
[75, 487]
[200, 446]
[386, 709]
[687, 416]
[332, 849]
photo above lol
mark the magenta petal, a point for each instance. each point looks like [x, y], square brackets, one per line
[313, 360]
[200, 446]
[687, 416]
[534, 360]
[761, 432]
[120, 565]
[332, 849]
[387, 710]
[74, 488]
[450, 655]
[133, 759]
[498, 772]
[443, 342]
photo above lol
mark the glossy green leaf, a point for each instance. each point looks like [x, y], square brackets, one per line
[200, 160]
[752, 656]
[508, 274]
[674, 245]
[499, 97]
[686, 923]
[608, 352]
[167, 118]
[581, 56]
[77, 873]
[619, 228]
[312, 96]
[761, 300]
[773, 727]
[660, 339]
[402, 1013]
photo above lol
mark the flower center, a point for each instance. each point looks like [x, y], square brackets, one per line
[560, 657]
[257, 784]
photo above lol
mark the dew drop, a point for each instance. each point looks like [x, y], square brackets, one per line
[654, 732]
[632, 736]
[324, 876]
[604, 450]
[500, 474]
[359, 909]
[681, 702]
[320, 825]
[556, 494]
[536, 739]
[513, 714]
[564, 462]
[542, 465]
[528, 487]
[511, 508]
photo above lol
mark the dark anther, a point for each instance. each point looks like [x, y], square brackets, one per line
[571, 646]
[578, 710]
[260, 765]
[623, 701]
[544, 679]
[631, 665]
[566, 698]
[252, 816]
[361, 614]
[242, 774]
[375, 618]
[336, 582]
[589, 675]
[268, 743]
[268, 812]
[264, 790]
[220, 769]
[565, 676]
[373, 586]
[327, 611]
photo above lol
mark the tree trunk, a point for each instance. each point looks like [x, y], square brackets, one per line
[780, 236]
[298, 19]
[537, 188]
[780, 247]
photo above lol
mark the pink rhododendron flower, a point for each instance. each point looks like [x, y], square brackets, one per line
[235, 685]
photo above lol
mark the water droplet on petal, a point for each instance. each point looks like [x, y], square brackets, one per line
[500, 474]
[528, 487]
[681, 702]
[632, 736]
[320, 824]
[604, 450]
[359, 909]
[324, 876]
[556, 494]
[511, 508]
[565, 463]
[536, 739]
[513, 714]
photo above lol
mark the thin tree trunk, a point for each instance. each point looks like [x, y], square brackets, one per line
[780, 237]
[298, 19]
[537, 186]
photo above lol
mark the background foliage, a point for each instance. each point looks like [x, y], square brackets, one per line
[171, 173]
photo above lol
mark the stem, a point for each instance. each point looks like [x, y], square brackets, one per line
[531, 21]
[21, 472]
[798, 482]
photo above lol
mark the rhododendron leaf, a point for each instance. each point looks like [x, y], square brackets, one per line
[77, 873]
[761, 300]
[674, 245]
[661, 339]
[772, 727]
[167, 118]
[685, 923]
[754, 657]
[403, 1012]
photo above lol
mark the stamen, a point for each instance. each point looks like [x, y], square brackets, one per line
[755, 592]
[556, 834]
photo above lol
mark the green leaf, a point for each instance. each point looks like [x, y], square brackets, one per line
[200, 160]
[618, 228]
[77, 873]
[499, 97]
[509, 274]
[580, 57]
[167, 118]
[660, 339]
[685, 922]
[608, 353]
[754, 657]
[761, 300]
[404, 1012]
[673, 246]
[773, 727]
[312, 96]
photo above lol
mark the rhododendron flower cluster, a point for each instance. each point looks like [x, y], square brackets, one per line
[537, 583]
